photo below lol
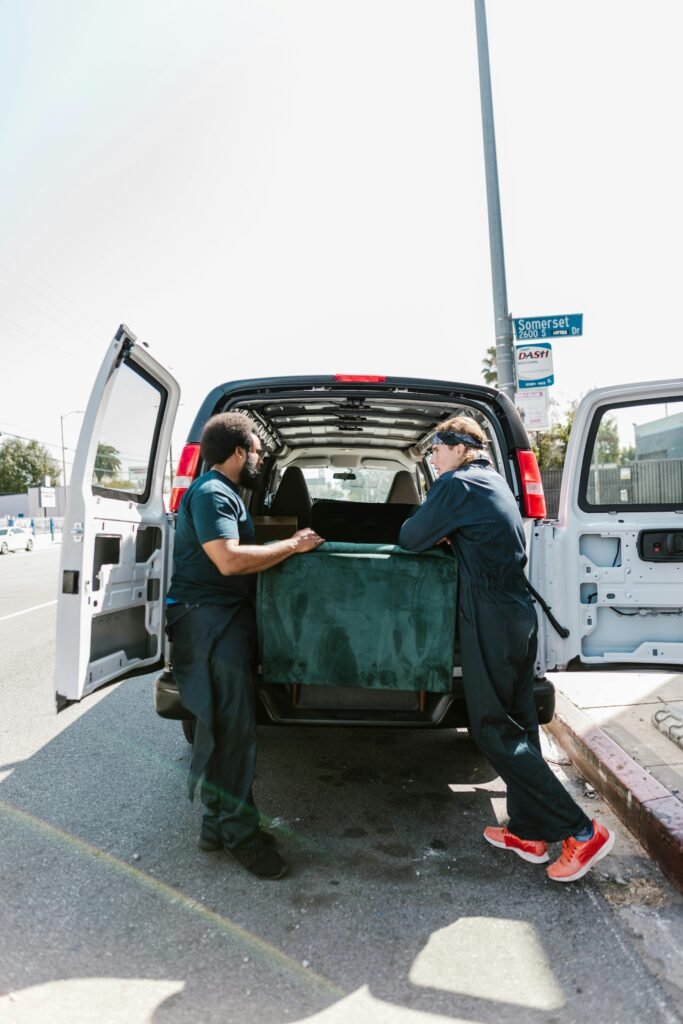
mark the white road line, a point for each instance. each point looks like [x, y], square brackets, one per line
[3, 618]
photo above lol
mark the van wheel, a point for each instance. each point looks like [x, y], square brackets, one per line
[29, 545]
[3, 548]
[188, 725]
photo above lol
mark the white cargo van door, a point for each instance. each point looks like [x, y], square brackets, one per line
[611, 566]
[113, 571]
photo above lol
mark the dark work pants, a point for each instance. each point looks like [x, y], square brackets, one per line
[214, 658]
[498, 649]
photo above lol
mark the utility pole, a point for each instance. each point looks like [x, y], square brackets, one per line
[503, 321]
[64, 415]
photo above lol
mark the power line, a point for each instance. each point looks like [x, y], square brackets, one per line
[22, 437]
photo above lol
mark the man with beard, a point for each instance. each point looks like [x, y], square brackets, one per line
[211, 622]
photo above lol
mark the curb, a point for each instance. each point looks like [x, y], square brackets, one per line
[647, 808]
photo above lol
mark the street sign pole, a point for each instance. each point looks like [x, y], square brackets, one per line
[503, 321]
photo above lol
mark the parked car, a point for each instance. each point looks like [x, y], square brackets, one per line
[349, 455]
[15, 538]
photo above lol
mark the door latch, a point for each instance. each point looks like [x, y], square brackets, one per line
[661, 545]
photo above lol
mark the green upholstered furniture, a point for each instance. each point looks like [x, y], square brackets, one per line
[365, 615]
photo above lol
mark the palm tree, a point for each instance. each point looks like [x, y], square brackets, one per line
[107, 462]
[489, 368]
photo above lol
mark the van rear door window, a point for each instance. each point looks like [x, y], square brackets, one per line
[127, 437]
[634, 458]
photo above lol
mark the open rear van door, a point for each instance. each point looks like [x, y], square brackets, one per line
[611, 566]
[115, 548]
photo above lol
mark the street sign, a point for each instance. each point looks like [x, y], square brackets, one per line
[530, 328]
[47, 497]
[533, 405]
[534, 365]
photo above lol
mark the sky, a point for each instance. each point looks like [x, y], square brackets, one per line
[264, 187]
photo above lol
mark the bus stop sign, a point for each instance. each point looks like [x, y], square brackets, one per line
[534, 365]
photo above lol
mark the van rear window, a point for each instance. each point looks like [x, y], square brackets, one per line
[634, 457]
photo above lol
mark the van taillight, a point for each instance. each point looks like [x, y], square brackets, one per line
[187, 467]
[532, 485]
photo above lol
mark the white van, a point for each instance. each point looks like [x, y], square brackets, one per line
[348, 455]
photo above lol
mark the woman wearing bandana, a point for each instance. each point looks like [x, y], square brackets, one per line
[472, 507]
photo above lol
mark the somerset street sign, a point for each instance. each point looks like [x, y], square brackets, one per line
[529, 328]
[534, 365]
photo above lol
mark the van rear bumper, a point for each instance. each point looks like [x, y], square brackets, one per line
[312, 705]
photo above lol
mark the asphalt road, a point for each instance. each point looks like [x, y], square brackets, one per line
[395, 909]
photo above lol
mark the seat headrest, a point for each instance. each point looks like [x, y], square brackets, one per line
[292, 497]
[403, 490]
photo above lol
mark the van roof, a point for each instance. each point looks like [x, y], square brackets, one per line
[323, 411]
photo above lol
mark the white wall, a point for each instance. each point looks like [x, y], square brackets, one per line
[27, 503]
[13, 504]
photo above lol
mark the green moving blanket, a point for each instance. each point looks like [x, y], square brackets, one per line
[368, 615]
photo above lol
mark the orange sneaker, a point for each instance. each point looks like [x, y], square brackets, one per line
[578, 858]
[533, 850]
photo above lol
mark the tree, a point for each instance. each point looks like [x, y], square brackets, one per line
[489, 367]
[607, 447]
[25, 464]
[550, 446]
[107, 462]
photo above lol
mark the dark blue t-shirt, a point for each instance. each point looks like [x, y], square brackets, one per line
[212, 509]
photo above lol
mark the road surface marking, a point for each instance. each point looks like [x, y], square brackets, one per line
[35, 608]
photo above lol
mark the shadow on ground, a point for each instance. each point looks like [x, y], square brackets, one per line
[394, 905]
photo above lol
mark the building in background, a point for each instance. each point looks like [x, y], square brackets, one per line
[660, 439]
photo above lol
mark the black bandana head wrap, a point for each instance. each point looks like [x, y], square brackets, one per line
[450, 437]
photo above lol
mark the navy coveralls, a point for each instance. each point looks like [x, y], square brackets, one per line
[474, 507]
[211, 621]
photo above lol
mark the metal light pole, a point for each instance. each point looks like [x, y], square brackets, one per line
[503, 321]
[61, 426]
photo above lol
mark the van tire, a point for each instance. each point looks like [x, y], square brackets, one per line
[3, 548]
[29, 545]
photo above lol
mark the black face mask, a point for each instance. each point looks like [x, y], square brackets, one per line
[250, 475]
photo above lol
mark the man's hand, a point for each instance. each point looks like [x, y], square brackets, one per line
[306, 540]
[234, 559]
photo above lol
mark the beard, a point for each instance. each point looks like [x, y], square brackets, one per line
[250, 476]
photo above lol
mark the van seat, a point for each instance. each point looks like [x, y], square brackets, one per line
[359, 522]
[403, 490]
[292, 497]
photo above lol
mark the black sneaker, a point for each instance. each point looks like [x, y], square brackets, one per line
[213, 843]
[260, 858]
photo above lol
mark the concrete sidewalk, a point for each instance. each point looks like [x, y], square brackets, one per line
[605, 721]
[44, 540]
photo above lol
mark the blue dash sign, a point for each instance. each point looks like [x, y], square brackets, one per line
[533, 328]
[534, 365]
